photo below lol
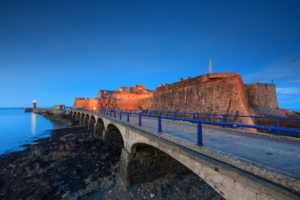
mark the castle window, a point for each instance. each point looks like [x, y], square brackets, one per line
[251, 86]
[151, 98]
[143, 100]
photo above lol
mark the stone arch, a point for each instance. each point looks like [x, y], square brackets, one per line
[82, 119]
[86, 119]
[91, 122]
[207, 170]
[77, 117]
[99, 126]
[147, 163]
[112, 134]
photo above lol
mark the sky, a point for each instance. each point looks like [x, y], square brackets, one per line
[54, 51]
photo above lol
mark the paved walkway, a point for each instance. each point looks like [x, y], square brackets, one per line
[280, 155]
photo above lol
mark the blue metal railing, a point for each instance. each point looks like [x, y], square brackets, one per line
[199, 122]
[223, 115]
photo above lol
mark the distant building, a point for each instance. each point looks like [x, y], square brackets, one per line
[59, 107]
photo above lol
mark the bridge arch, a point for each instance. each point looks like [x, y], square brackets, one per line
[112, 134]
[99, 126]
[91, 122]
[147, 163]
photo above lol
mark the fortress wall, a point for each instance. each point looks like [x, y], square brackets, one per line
[134, 101]
[262, 94]
[79, 103]
[210, 93]
[97, 103]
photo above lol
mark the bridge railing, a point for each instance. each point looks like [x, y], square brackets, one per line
[223, 116]
[113, 113]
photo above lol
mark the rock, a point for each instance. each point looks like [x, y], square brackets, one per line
[12, 166]
[88, 180]
[66, 195]
[160, 195]
[116, 166]
[166, 187]
[103, 157]
[159, 188]
[152, 195]
[59, 155]
[75, 172]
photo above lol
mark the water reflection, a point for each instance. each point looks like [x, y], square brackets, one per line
[33, 124]
[30, 127]
[57, 124]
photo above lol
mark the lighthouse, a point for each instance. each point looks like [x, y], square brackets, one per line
[33, 104]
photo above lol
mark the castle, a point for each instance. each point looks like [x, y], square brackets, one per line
[219, 93]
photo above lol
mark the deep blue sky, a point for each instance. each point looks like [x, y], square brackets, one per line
[52, 51]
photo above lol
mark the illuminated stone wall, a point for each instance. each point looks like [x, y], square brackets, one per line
[219, 93]
[210, 93]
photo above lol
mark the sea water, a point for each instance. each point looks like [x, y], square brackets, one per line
[18, 128]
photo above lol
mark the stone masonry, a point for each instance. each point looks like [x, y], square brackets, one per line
[218, 93]
[147, 164]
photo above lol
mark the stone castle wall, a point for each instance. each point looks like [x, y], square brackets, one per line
[134, 101]
[218, 93]
[210, 93]
[96, 103]
[262, 94]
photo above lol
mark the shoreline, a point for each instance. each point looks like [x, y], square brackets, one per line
[73, 163]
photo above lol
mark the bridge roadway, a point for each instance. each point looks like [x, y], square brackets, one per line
[274, 158]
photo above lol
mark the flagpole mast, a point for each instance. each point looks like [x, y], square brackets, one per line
[210, 68]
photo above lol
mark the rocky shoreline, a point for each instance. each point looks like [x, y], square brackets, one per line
[73, 163]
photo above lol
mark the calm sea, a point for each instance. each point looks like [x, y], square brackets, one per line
[19, 128]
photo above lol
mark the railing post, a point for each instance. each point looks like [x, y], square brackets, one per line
[160, 113]
[114, 114]
[159, 125]
[174, 114]
[127, 117]
[224, 120]
[277, 126]
[193, 117]
[199, 134]
[140, 120]
[130, 112]
[120, 115]
[150, 112]
[110, 113]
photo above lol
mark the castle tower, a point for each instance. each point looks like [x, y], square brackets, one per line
[34, 104]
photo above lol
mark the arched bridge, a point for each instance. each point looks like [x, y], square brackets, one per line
[237, 164]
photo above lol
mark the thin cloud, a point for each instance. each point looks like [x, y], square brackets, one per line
[293, 59]
[281, 70]
[296, 82]
[287, 91]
